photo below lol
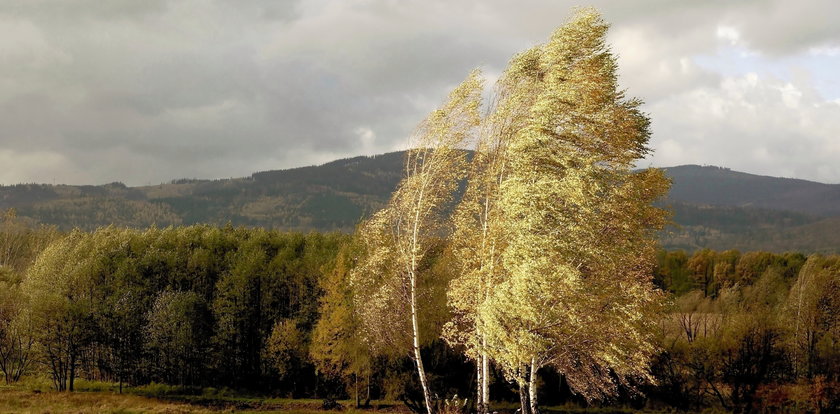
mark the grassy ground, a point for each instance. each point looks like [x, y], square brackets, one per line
[37, 396]
[14, 400]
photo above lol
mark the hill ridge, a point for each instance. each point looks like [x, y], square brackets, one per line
[714, 206]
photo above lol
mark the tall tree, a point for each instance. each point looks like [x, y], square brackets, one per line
[579, 223]
[397, 239]
[177, 336]
[60, 287]
[16, 330]
[811, 313]
[478, 239]
[337, 348]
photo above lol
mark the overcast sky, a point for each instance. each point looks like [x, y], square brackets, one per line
[146, 91]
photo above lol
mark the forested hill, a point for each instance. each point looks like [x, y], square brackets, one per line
[723, 187]
[714, 207]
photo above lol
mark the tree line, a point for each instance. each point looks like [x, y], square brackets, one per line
[187, 306]
[750, 331]
[275, 313]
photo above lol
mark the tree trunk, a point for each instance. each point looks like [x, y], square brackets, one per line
[367, 384]
[524, 400]
[532, 387]
[524, 404]
[121, 372]
[356, 389]
[485, 378]
[421, 371]
[72, 370]
[479, 392]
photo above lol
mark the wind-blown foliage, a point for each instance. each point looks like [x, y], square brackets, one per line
[398, 238]
[578, 222]
[478, 239]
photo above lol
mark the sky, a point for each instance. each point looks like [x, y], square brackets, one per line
[144, 92]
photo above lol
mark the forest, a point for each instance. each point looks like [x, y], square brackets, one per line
[524, 277]
[270, 312]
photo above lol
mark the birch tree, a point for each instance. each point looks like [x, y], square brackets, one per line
[397, 239]
[479, 236]
[811, 314]
[578, 223]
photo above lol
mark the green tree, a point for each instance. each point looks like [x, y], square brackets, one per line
[237, 307]
[60, 288]
[285, 350]
[671, 272]
[16, 330]
[177, 335]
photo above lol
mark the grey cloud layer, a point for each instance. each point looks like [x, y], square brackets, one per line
[144, 92]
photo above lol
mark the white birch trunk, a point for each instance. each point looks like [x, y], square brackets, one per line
[485, 377]
[522, 381]
[421, 371]
[479, 389]
[532, 387]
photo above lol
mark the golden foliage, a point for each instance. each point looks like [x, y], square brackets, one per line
[555, 233]
[397, 239]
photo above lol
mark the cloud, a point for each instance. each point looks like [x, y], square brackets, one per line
[761, 124]
[145, 92]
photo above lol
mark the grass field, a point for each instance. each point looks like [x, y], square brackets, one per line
[37, 396]
[15, 400]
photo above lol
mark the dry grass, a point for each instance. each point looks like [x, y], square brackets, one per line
[34, 395]
[24, 401]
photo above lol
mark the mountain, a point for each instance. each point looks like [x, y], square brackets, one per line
[713, 207]
[723, 187]
[722, 209]
[747, 229]
[329, 197]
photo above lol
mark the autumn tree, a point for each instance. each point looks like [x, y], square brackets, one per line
[285, 351]
[478, 239]
[21, 241]
[812, 316]
[397, 239]
[702, 268]
[579, 223]
[337, 349]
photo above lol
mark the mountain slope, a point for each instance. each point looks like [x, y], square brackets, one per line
[725, 227]
[723, 187]
[713, 207]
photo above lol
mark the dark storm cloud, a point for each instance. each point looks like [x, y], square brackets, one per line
[144, 92]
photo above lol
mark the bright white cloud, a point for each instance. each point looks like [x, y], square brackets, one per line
[761, 125]
[729, 34]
